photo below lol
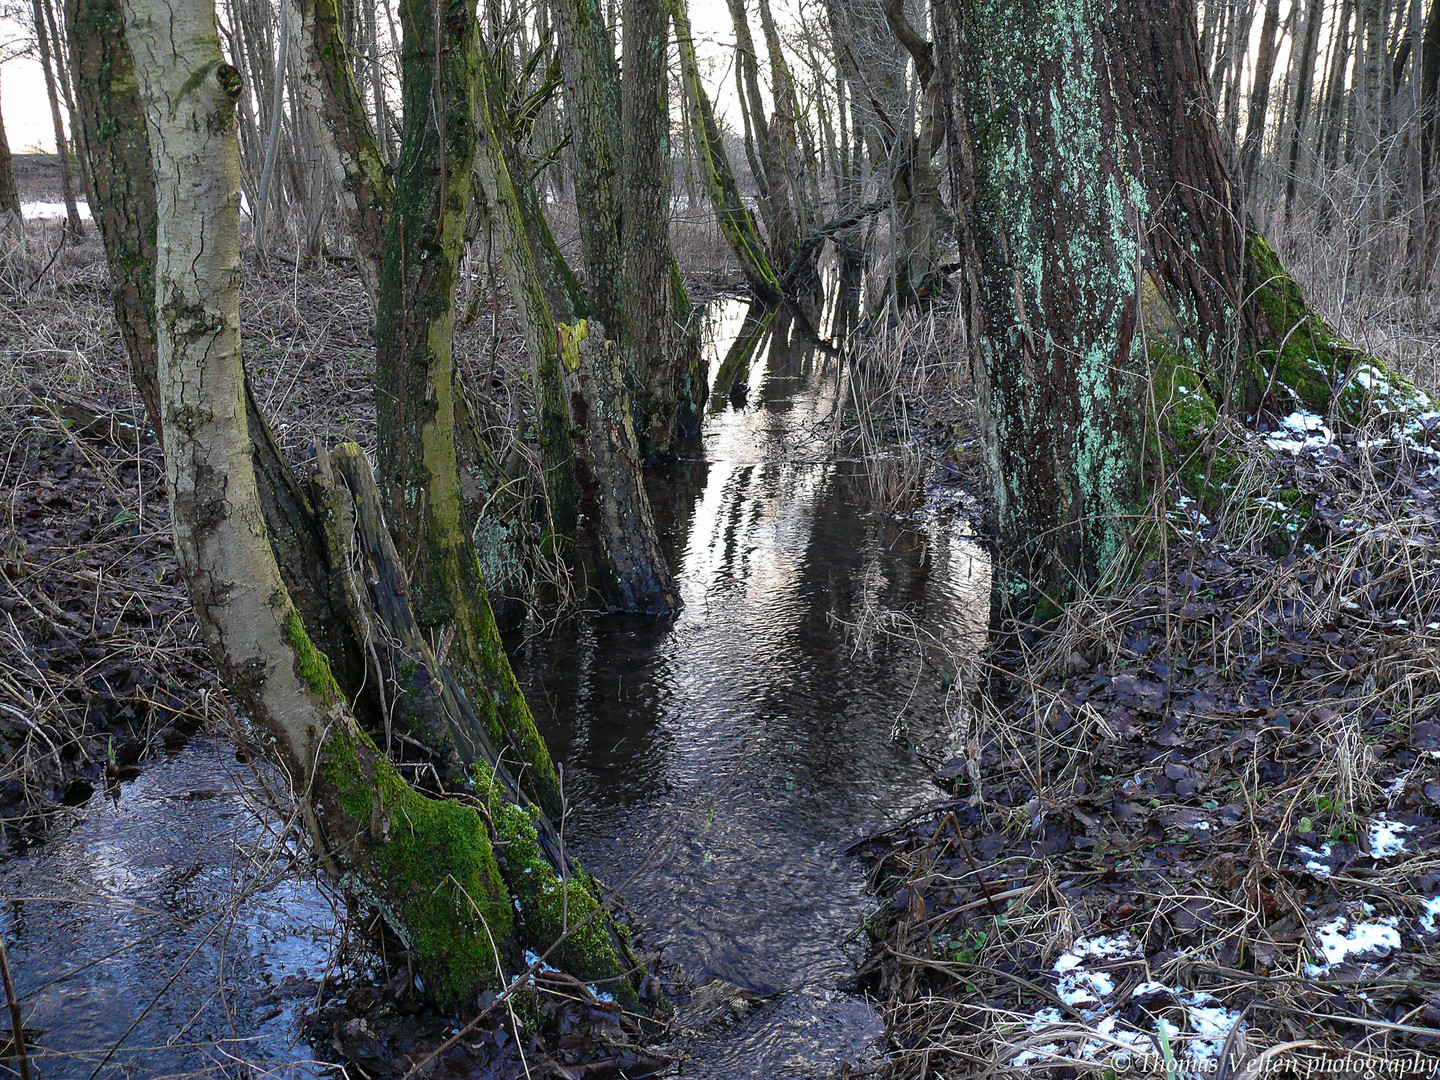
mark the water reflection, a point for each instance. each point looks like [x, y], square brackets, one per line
[754, 715]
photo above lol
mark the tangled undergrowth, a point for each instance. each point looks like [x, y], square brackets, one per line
[1192, 825]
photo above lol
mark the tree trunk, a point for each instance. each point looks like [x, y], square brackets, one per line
[74, 227]
[1430, 145]
[579, 387]
[1260, 93]
[1304, 83]
[737, 224]
[415, 383]
[593, 101]
[12, 223]
[387, 841]
[1078, 174]
[648, 328]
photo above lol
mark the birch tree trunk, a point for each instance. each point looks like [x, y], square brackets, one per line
[383, 840]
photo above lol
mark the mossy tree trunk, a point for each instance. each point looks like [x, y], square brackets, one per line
[580, 384]
[1083, 177]
[385, 842]
[415, 380]
[737, 224]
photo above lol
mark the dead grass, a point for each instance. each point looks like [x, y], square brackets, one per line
[1201, 771]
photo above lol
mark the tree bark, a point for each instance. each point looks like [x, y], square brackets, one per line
[12, 223]
[74, 227]
[737, 224]
[387, 842]
[1079, 173]
[648, 330]
[415, 381]
[1260, 92]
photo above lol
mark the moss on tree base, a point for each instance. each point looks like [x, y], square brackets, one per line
[429, 869]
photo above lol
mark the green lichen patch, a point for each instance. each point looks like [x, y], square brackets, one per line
[430, 870]
[549, 905]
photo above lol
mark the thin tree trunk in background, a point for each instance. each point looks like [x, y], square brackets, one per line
[737, 224]
[1260, 93]
[1430, 145]
[1239, 47]
[1304, 82]
[272, 137]
[64, 78]
[326, 86]
[12, 222]
[74, 227]
[647, 330]
[1329, 127]
[592, 100]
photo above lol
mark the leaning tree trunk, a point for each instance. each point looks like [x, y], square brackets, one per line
[384, 839]
[415, 379]
[1080, 176]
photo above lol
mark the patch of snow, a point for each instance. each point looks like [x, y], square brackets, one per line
[1100, 948]
[1432, 909]
[1338, 944]
[1301, 430]
[1315, 861]
[41, 210]
[1387, 837]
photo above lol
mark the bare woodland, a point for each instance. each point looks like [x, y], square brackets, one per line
[1151, 282]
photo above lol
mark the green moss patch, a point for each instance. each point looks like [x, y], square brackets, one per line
[549, 905]
[430, 870]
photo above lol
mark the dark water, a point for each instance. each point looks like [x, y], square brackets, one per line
[182, 908]
[756, 719]
[756, 729]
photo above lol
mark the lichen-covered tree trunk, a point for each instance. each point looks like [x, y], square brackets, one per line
[415, 383]
[428, 863]
[1079, 174]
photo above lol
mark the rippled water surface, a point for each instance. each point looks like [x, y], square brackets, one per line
[757, 729]
[171, 925]
[755, 718]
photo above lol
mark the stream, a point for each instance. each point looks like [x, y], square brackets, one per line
[772, 733]
[757, 734]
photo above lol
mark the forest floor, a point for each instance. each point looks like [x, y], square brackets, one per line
[1198, 810]
[1196, 820]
